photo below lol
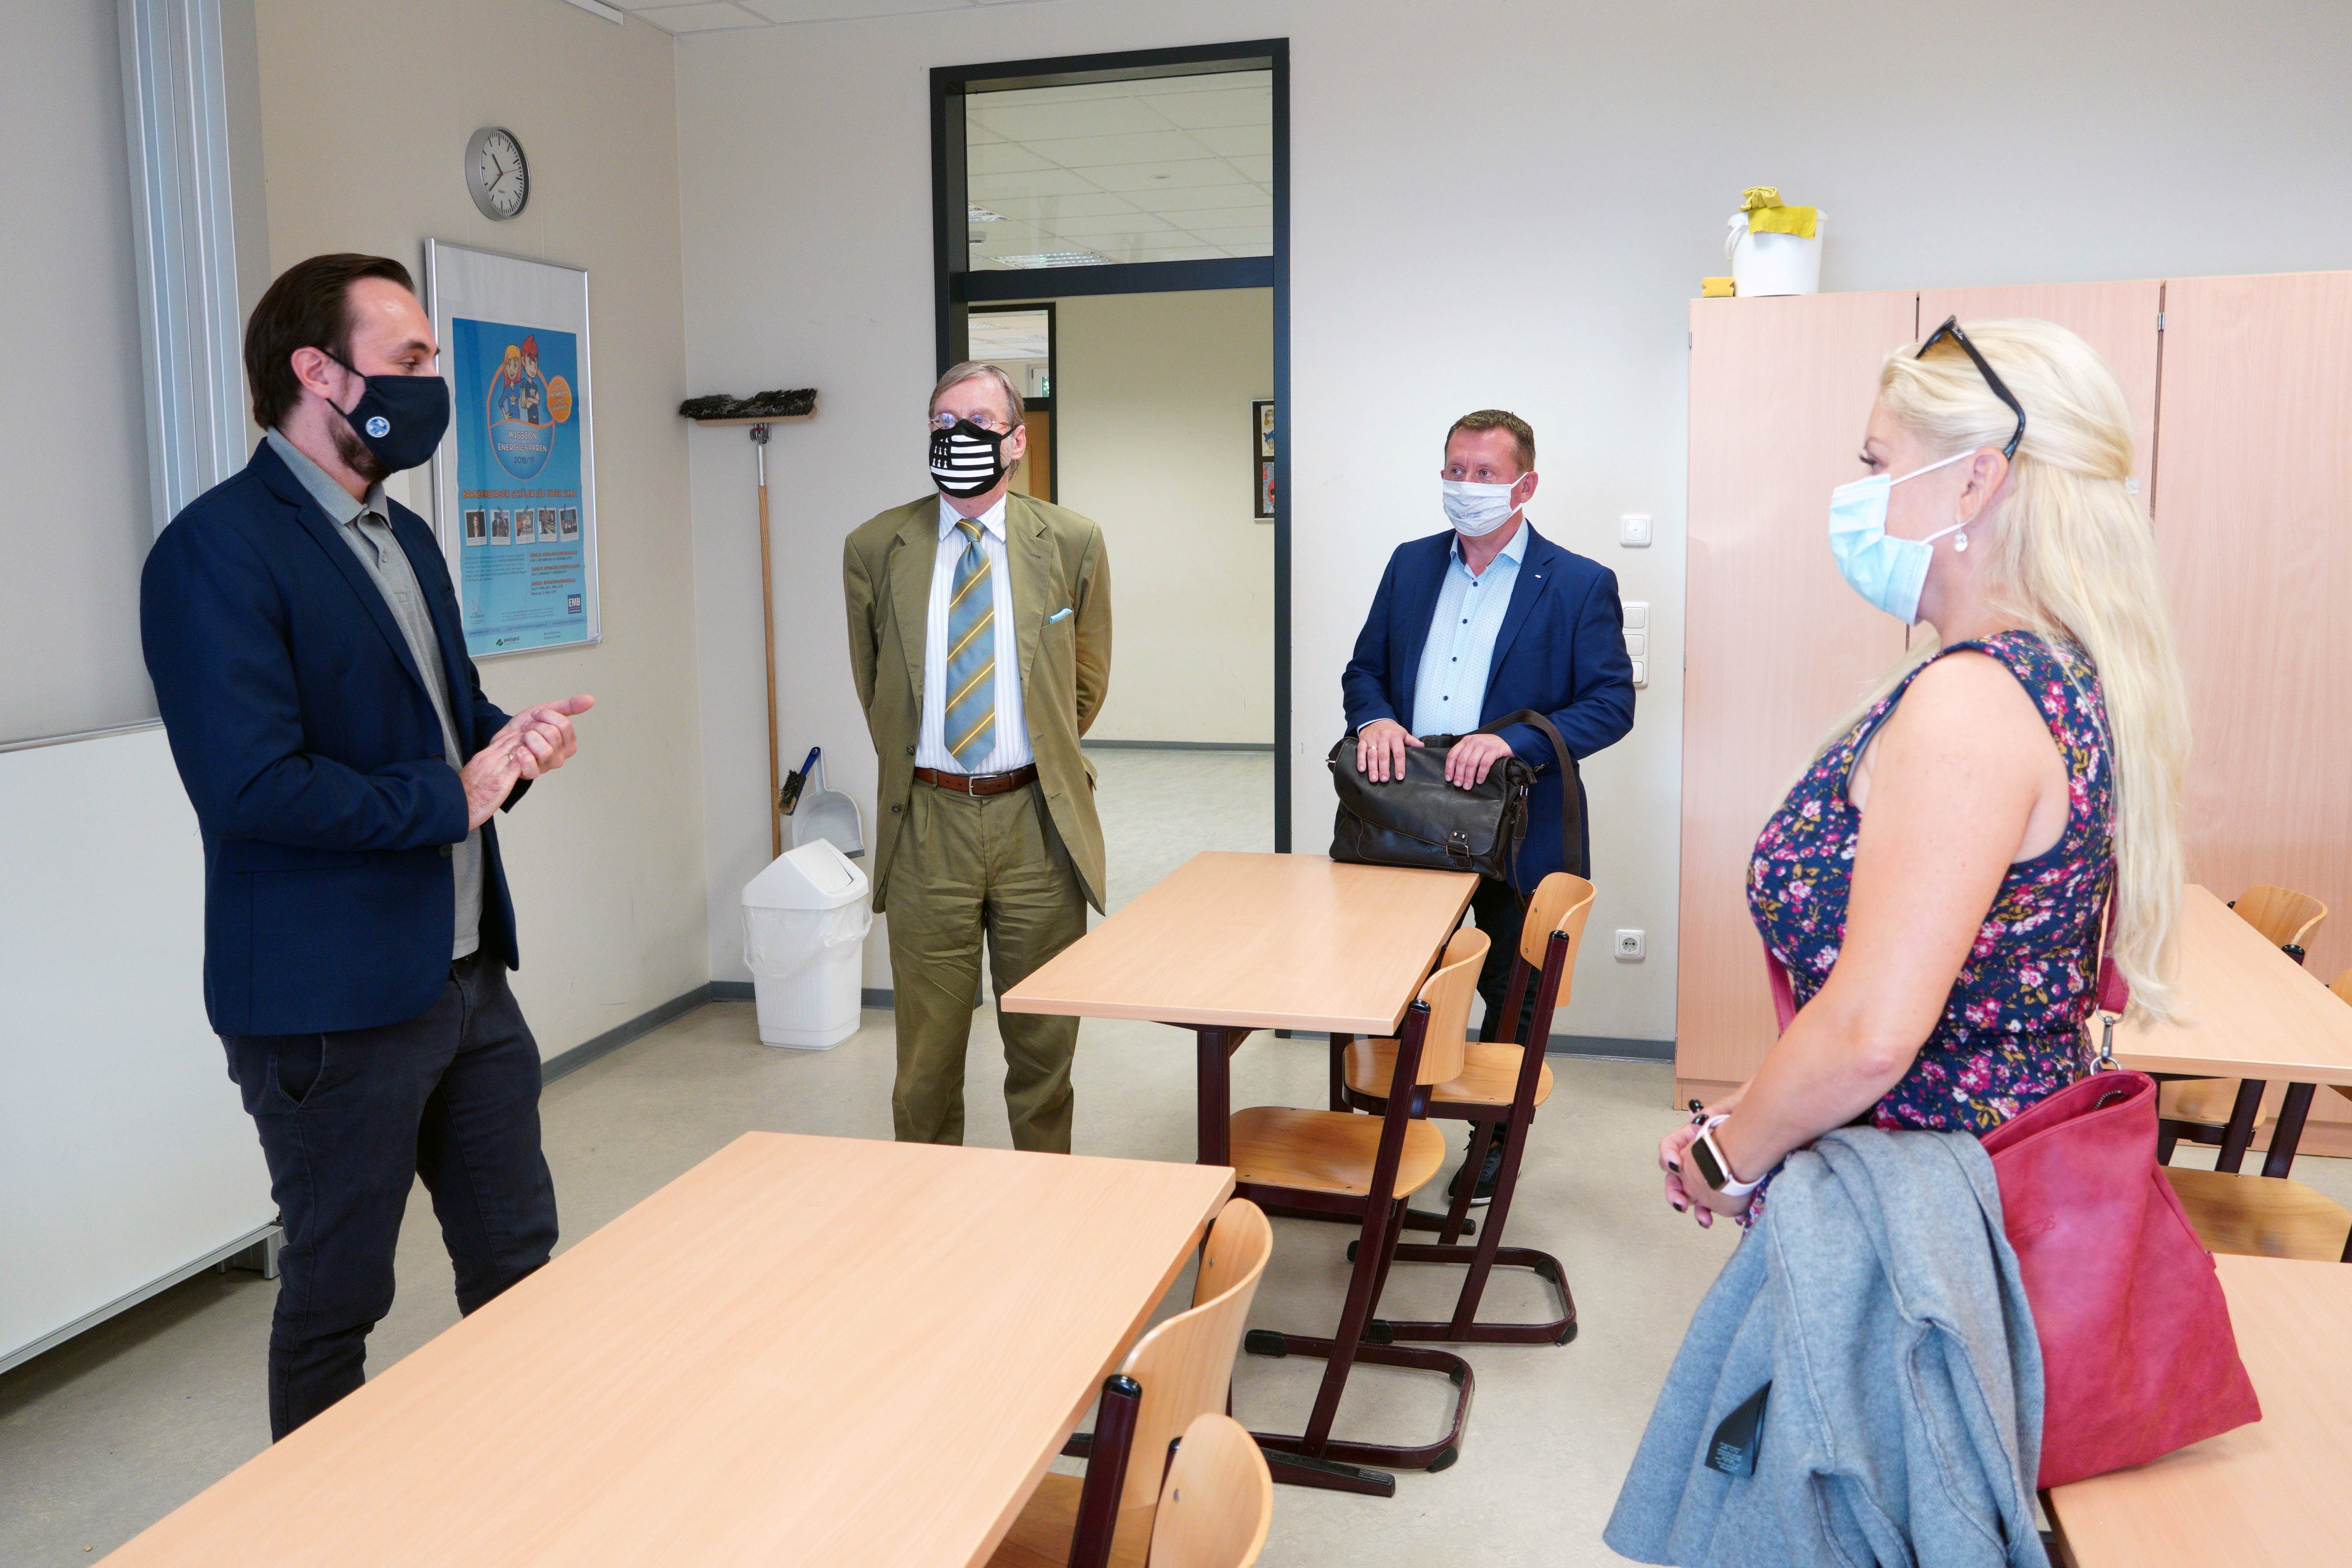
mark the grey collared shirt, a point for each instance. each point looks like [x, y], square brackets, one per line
[366, 527]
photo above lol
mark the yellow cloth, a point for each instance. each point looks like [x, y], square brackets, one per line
[1716, 288]
[1767, 215]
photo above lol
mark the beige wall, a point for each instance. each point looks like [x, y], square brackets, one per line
[1160, 385]
[1550, 274]
[74, 518]
[365, 113]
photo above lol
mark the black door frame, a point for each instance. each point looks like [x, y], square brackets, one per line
[955, 288]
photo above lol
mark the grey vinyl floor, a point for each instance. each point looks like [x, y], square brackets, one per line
[109, 1431]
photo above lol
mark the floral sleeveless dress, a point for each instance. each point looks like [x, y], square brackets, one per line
[2012, 1031]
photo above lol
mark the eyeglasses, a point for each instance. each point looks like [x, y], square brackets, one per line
[1951, 329]
[948, 422]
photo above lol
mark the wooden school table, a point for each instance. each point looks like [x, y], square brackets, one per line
[2270, 1493]
[804, 1350]
[1229, 943]
[2247, 1011]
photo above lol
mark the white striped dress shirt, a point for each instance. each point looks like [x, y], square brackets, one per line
[1012, 721]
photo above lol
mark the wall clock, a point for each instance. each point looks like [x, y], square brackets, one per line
[496, 172]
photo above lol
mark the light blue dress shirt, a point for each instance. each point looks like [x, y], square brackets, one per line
[1460, 653]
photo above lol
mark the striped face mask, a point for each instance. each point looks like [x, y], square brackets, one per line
[967, 459]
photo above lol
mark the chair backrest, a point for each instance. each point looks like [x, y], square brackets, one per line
[1186, 1364]
[2285, 918]
[1218, 1503]
[1445, 1044]
[1563, 903]
[2342, 985]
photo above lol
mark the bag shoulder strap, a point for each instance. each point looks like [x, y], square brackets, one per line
[1571, 808]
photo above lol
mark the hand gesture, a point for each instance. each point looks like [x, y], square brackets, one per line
[1380, 750]
[542, 736]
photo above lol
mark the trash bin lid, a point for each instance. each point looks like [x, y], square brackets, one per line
[817, 875]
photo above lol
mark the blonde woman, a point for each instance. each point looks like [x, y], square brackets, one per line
[1936, 881]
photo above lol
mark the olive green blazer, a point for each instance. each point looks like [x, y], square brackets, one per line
[1057, 562]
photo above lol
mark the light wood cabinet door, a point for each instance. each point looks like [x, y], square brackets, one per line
[1776, 645]
[2255, 528]
[2117, 320]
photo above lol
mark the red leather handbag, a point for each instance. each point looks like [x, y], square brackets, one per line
[2138, 1358]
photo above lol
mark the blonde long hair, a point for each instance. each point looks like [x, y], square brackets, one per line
[2070, 554]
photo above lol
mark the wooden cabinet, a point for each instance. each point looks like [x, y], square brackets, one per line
[2241, 413]
[1777, 645]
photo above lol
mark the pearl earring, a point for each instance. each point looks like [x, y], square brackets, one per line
[1960, 541]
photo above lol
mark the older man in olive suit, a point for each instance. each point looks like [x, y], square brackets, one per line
[980, 638]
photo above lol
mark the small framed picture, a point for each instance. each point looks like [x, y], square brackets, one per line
[1262, 433]
[501, 526]
[477, 525]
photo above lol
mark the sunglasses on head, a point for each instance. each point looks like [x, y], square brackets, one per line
[1951, 329]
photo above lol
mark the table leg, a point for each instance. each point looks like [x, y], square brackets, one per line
[1340, 1044]
[2288, 1130]
[1216, 1093]
[2241, 1130]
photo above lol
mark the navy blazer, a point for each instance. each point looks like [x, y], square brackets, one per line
[1560, 651]
[303, 731]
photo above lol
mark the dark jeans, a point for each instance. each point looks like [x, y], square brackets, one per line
[348, 1121]
[1497, 911]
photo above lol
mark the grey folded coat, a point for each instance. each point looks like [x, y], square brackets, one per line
[1879, 1296]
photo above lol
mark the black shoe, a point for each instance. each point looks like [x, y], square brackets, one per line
[1484, 1192]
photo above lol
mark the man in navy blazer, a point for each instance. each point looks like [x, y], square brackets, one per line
[1486, 619]
[311, 671]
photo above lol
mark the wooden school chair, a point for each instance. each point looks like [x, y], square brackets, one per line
[2267, 1216]
[2204, 1110]
[1218, 1502]
[1180, 1370]
[1366, 1167]
[1497, 1092]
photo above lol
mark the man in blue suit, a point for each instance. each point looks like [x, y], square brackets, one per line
[344, 764]
[1486, 619]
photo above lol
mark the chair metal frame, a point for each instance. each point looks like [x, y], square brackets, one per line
[1512, 1120]
[1315, 1458]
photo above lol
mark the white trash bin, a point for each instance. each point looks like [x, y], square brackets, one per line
[804, 924]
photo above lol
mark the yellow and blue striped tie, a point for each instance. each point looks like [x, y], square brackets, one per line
[971, 717]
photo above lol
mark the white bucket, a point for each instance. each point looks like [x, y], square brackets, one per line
[804, 924]
[1774, 263]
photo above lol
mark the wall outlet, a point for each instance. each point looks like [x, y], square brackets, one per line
[1633, 946]
[1633, 530]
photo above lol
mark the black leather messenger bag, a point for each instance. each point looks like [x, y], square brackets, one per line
[1422, 821]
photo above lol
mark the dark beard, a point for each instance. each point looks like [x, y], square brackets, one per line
[355, 454]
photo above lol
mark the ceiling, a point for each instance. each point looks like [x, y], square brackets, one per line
[1165, 169]
[719, 16]
[1009, 334]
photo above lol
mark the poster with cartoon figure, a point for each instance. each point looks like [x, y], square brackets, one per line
[514, 340]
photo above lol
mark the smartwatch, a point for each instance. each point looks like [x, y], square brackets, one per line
[1715, 1171]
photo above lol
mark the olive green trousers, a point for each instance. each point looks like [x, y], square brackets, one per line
[966, 868]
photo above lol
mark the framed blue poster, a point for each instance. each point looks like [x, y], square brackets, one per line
[515, 480]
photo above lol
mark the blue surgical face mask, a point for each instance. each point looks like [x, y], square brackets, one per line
[1889, 573]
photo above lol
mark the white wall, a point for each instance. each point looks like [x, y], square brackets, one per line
[1151, 416]
[365, 113]
[1503, 203]
[74, 519]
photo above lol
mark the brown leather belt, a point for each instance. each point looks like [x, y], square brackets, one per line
[977, 784]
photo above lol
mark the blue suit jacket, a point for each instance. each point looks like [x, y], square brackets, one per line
[1561, 651]
[303, 731]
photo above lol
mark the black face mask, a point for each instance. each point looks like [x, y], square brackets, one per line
[399, 418]
[967, 459]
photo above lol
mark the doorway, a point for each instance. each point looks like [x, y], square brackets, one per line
[1101, 225]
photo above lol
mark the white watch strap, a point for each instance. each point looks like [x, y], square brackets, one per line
[1730, 1189]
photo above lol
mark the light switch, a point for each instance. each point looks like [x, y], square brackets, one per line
[1637, 615]
[1633, 530]
[1637, 644]
[1641, 672]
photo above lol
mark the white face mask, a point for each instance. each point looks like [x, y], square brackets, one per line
[1476, 509]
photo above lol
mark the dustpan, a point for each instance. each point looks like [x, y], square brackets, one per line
[817, 812]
